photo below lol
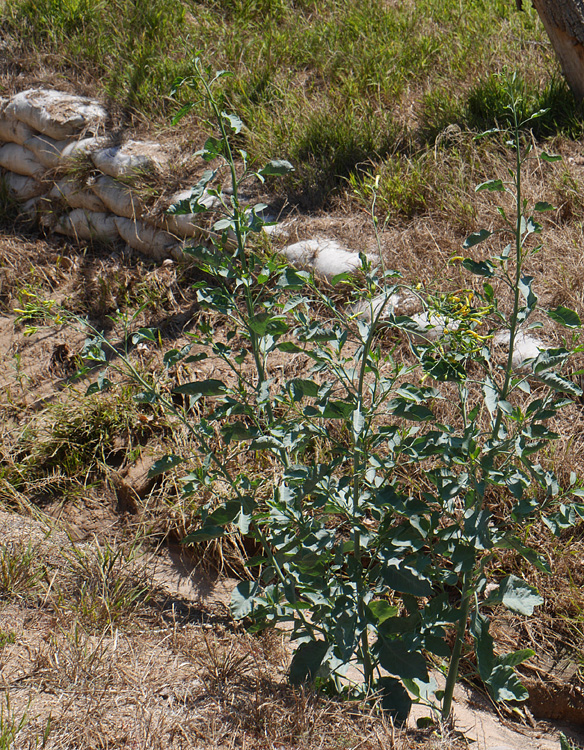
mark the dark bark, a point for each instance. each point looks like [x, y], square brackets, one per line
[563, 21]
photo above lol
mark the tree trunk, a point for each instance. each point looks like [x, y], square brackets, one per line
[564, 23]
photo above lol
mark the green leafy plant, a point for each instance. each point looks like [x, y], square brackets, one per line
[364, 563]
[372, 517]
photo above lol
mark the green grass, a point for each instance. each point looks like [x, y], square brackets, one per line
[334, 87]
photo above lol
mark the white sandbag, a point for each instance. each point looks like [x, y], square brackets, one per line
[14, 131]
[145, 238]
[19, 159]
[34, 207]
[116, 197]
[378, 308]
[76, 196]
[75, 149]
[333, 259]
[526, 347]
[22, 188]
[55, 113]
[88, 225]
[47, 150]
[301, 253]
[132, 156]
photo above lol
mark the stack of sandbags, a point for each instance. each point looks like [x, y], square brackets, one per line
[55, 161]
[37, 127]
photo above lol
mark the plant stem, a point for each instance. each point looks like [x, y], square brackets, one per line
[518, 264]
[452, 677]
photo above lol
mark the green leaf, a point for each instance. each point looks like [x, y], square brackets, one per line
[491, 185]
[234, 122]
[175, 355]
[145, 334]
[558, 383]
[224, 515]
[395, 699]
[382, 610]
[306, 661]
[358, 422]
[414, 412]
[288, 347]
[479, 627]
[237, 431]
[518, 596]
[222, 224]
[516, 657]
[476, 237]
[299, 388]
[209, 387]
[404, 579]
[480, 267]
[543, 206]
[184, 110]
[337, 410]
[550, 157]
[565, 316]
[504, 685]
[397, 659]
[204, 535]
[276, 168]
[164, 464]
[242, 599]
[101, 384]
[212, 149]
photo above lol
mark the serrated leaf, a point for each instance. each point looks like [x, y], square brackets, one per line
[306, 661]
[565, 316]
[543, 206]
[476, 237]
[165, 464]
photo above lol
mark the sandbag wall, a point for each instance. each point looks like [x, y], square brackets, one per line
[58, 164]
